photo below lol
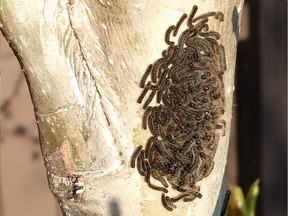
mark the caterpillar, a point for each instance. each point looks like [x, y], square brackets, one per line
[188, 84]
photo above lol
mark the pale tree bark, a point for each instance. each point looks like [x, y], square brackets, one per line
[83, 60]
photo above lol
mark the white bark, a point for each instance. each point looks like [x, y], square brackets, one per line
[83, 60]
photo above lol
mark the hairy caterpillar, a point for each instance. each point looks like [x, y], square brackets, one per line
[188, 84]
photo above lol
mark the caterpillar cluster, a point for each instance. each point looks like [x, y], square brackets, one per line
[188, 85]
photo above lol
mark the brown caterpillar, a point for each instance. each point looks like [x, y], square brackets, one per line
[188, 84]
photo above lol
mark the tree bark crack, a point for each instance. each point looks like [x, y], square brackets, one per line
[70, 13]
[59, 110]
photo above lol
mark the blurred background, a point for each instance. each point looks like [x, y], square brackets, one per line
[258, 147]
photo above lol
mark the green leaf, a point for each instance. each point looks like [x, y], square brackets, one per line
[236, 205]
[251, 198]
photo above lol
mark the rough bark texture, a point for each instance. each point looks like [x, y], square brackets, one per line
[83, 60]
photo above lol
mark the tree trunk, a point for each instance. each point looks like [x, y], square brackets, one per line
[83, 61]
